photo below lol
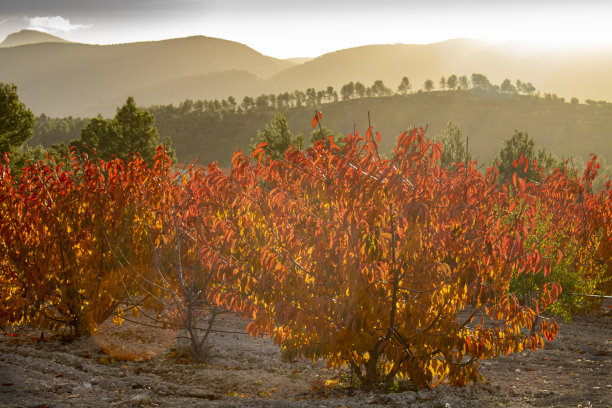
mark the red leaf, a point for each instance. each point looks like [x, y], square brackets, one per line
[512, 206]
[332, 145]
[399, 140]
[259, 151]
[314, 164]
[369, 133]
[315, 120]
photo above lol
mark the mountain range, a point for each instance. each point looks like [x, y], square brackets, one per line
[60, 78]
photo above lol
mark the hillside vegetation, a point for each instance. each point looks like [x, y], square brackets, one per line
[212, 130]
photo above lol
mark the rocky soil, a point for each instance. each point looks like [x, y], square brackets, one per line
[575, 370]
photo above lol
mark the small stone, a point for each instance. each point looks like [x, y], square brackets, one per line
[87, 385]
[142, 399]
[408, 396]
[381, 400]
[63, 388]
[423, 394]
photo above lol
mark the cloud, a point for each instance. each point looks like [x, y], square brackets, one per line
[54, 24]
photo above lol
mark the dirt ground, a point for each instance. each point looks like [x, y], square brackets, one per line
[575, 370]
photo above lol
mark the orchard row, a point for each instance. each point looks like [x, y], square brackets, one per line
[396, 268]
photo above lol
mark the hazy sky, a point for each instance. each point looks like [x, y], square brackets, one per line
[308, 28]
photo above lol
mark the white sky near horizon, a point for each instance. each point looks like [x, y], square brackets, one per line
[286, 29]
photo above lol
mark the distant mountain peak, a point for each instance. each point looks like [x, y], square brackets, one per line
[26, 36]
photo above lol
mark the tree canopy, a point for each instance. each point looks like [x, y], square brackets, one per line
[278, 136]
[16, 120]
[404, 86]
[480, 81]
[428, 85]
[324, 134]
[453, 146]
[131, 131]
[520, 144]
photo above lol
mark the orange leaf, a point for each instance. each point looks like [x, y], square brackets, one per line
[315, 120]
[512, 206]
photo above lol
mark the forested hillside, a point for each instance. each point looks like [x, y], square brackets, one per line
[212, 130]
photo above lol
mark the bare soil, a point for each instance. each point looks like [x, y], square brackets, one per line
[575, 370]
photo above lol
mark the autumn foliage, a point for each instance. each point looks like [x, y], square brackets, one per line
[55, 224]
[384, 265]
[396, 268]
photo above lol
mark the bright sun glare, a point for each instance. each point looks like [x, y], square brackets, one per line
[551, 29]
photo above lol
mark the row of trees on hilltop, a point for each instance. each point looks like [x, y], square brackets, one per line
[212, 135]
[313, 98]
[211, 129]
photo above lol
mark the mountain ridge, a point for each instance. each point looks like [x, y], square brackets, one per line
[69, 79]
[63, 79]
[27, 36]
